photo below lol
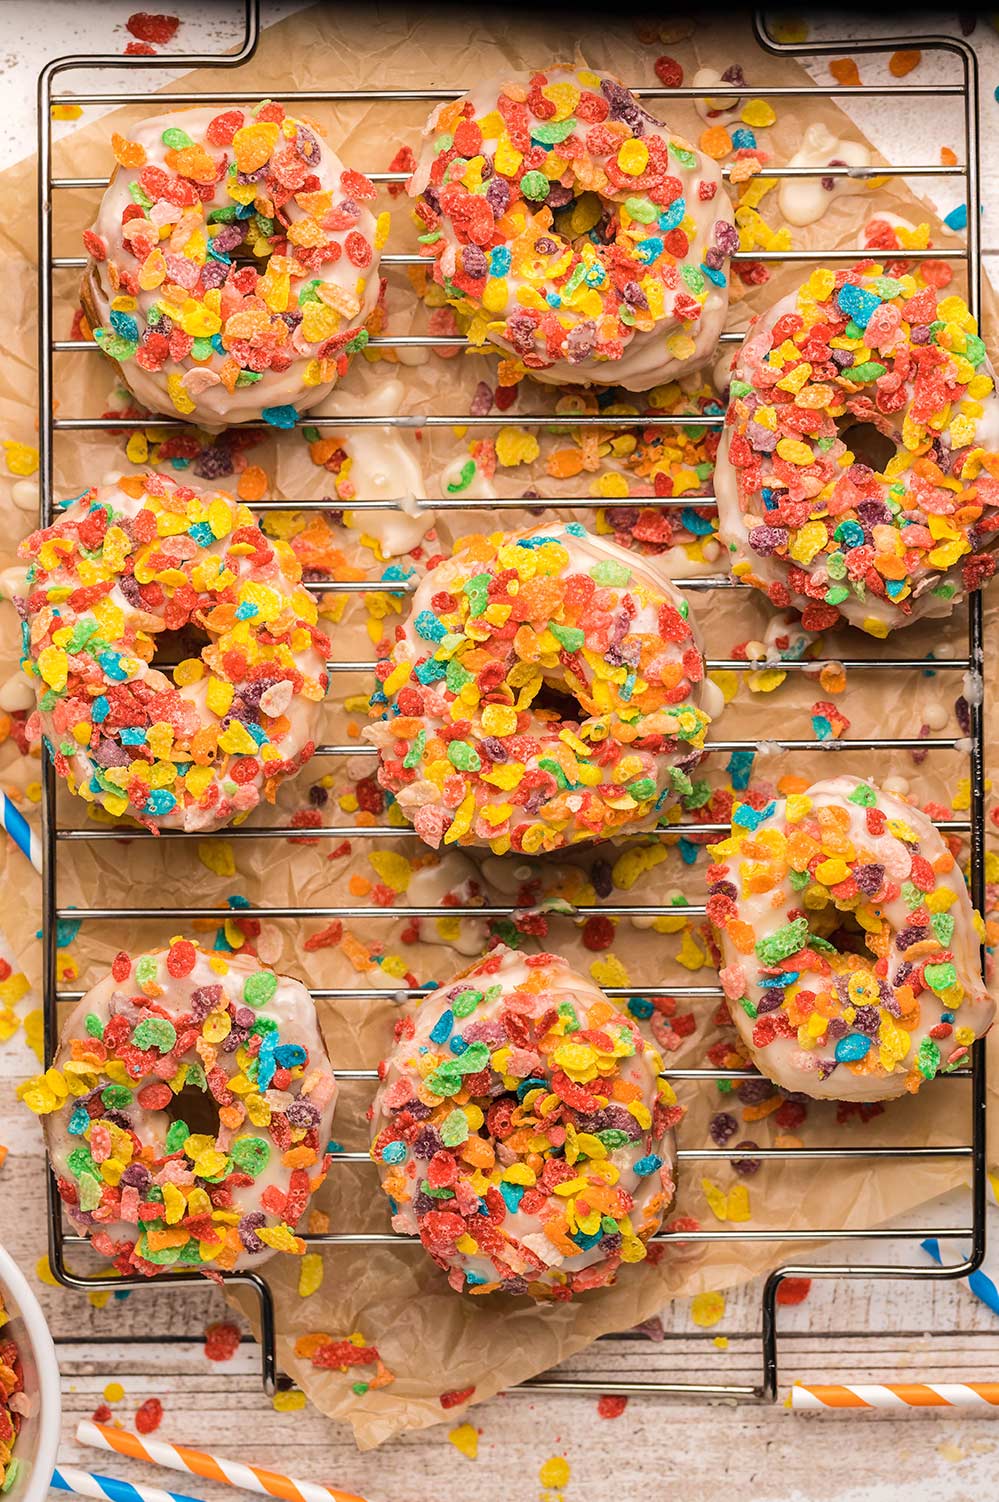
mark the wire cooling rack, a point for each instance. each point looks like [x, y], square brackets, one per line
[55, 838]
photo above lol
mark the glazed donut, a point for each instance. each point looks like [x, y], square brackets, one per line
[232, 265]
[126, 567]
[577, 230]
[471, 752]
[858, 359]
[849, 943]
[188, 1112]
[522, 1131]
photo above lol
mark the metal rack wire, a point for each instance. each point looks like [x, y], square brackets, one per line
[54, 837]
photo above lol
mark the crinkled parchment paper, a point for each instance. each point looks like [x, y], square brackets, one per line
[431, 1340]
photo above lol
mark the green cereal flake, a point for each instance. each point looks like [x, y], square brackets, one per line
[863, 795]
[177, 1134]
[176, 138]
[259, 988]
[784, 942]
[940, 977]
[93, 1025]
[146, 969]
[550, 132]
[463, 756]
[610, 572]
[683, 156]
[251, 1155]
[464, 1004]
[570, 637]
[155, 1032]
[454, 1128]
[928, 1058]
[942, 925]
[642, 209]
[867, 370]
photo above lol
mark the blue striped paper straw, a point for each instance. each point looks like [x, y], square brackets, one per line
[20, 831]
[68, 1478]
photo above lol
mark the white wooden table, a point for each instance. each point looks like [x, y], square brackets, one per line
[862, 1331]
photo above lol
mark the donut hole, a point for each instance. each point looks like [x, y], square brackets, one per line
[555, 700]
[198, 1109]
[841, 928]
[867, 443]
[173, 647]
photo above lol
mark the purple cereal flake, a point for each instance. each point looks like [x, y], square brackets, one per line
[714, 259]
[722, 1127]
[767, 540]
[764, 440]
[752, 1092]
[248, 1227]
[841, 358]
[726, 237]
[602, 877]
[734, 75]
[747, 1166]
[558, 196]
[110, 754]
[635, 296]
[866, 1020]
[424, 1203]
[869, 878]
[911, 934]
[204, 1000]
[771, 1000]
[473, 262]
[302, 1113]
[482, 400]
[213, 462]
[963, 712]
[497, 195]
[214, 274]
[836, 1029]
[494, 748]
[920, 333]
[244, 1017]
[427, 1141]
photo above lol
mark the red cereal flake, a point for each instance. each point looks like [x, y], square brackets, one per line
[598, 933]
[222, 129]
[181, 958]
[793, 1290]
[121, 966]
[457, 1397]
[149, 1416]
[221, 1342]
[139, 49]
[611, 1405]
[669, 72]
[151, 27]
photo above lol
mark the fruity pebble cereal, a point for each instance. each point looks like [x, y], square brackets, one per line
[547, 688]
[14, 1405]
[575, 230]
[188, 1112]
[523, 1132]
[124, 568]
[848, 941]
[233, 264]
[858, 476]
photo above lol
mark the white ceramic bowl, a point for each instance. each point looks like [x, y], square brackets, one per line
[38, 1442]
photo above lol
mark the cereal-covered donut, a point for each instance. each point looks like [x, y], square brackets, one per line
[578, 231]
[127, 568]
[522, 1130]
[547, 688]
[233, 264]
[858, 475]
[849, 946]
[188, 1111]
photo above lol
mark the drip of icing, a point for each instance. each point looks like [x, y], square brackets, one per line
[714, 111]
[804, 200]
[384, 467]
[16, 693]
[451, 876]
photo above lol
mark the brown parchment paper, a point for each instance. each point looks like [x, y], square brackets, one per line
[433, 1341]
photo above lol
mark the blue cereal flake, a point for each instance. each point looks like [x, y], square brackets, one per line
[266, 1062]
[822, 727]
[853, 1046]
[246, 611]
[202, 534]
[290, 1056]
[441, 1030]
[697, 526]
[67, 930]
[957, 218]
[748, 817]
[857, 303]
[575, 529]
[740, 768]
[280, 417]
[394, 1152]
[640, 1007]
[512, 1195]
[743, 138]
[673, 217]
[688, 851]
[429, 627]
[649, 1164]
[499, 260]
[111, 666]
[159, 802]
[125, 325]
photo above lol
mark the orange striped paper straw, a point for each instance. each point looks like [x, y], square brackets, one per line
[250, 1478]
[983, 1396]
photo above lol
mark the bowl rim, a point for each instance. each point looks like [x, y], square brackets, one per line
[29, 1310]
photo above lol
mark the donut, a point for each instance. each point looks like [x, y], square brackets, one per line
[576, 230]
[188, 1111]
[858, 473]
[140, 565]
[521, 1129]
[547, 688]
[848, 942]
[232, 265]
